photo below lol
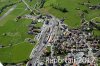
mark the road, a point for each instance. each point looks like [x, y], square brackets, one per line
[8, 12]
[54, 28]
[38, 50]
[90, 53]
[27, 5]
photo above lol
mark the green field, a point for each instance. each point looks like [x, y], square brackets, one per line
[16, 53]
[95, 31]
[12, 32]
[6, 2]
[16, 33]
[72, 17]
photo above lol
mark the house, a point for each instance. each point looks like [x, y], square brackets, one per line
[46, 22]
[74, 64]
[42, 64]
[50, 39]
[97, 54]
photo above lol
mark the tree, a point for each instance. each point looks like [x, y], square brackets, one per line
[5, 64]
[64, 10]
[85, 11]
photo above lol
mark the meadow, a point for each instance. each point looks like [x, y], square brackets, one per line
[14, 33]
[74, 7]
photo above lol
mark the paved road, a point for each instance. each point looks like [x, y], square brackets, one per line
[27, 5]
[90, 53]
[37, 51]
[8, 12]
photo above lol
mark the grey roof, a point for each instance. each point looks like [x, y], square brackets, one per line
[97, 53]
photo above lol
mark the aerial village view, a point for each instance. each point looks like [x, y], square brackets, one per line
[49, 32]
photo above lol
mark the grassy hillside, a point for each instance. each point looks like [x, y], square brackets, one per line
[74, 7]
[16, 32]
[12, 32]
[16, 53]
[73, 15]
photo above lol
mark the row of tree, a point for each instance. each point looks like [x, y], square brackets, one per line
[42, 3]
[94, 25]
[62, 9]
[23, 62]
[4, 7]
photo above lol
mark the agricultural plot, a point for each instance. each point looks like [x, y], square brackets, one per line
[74, 9]
[16, 54]
[13, 34]
[31, 3]
[4, 5]
[95, 31]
